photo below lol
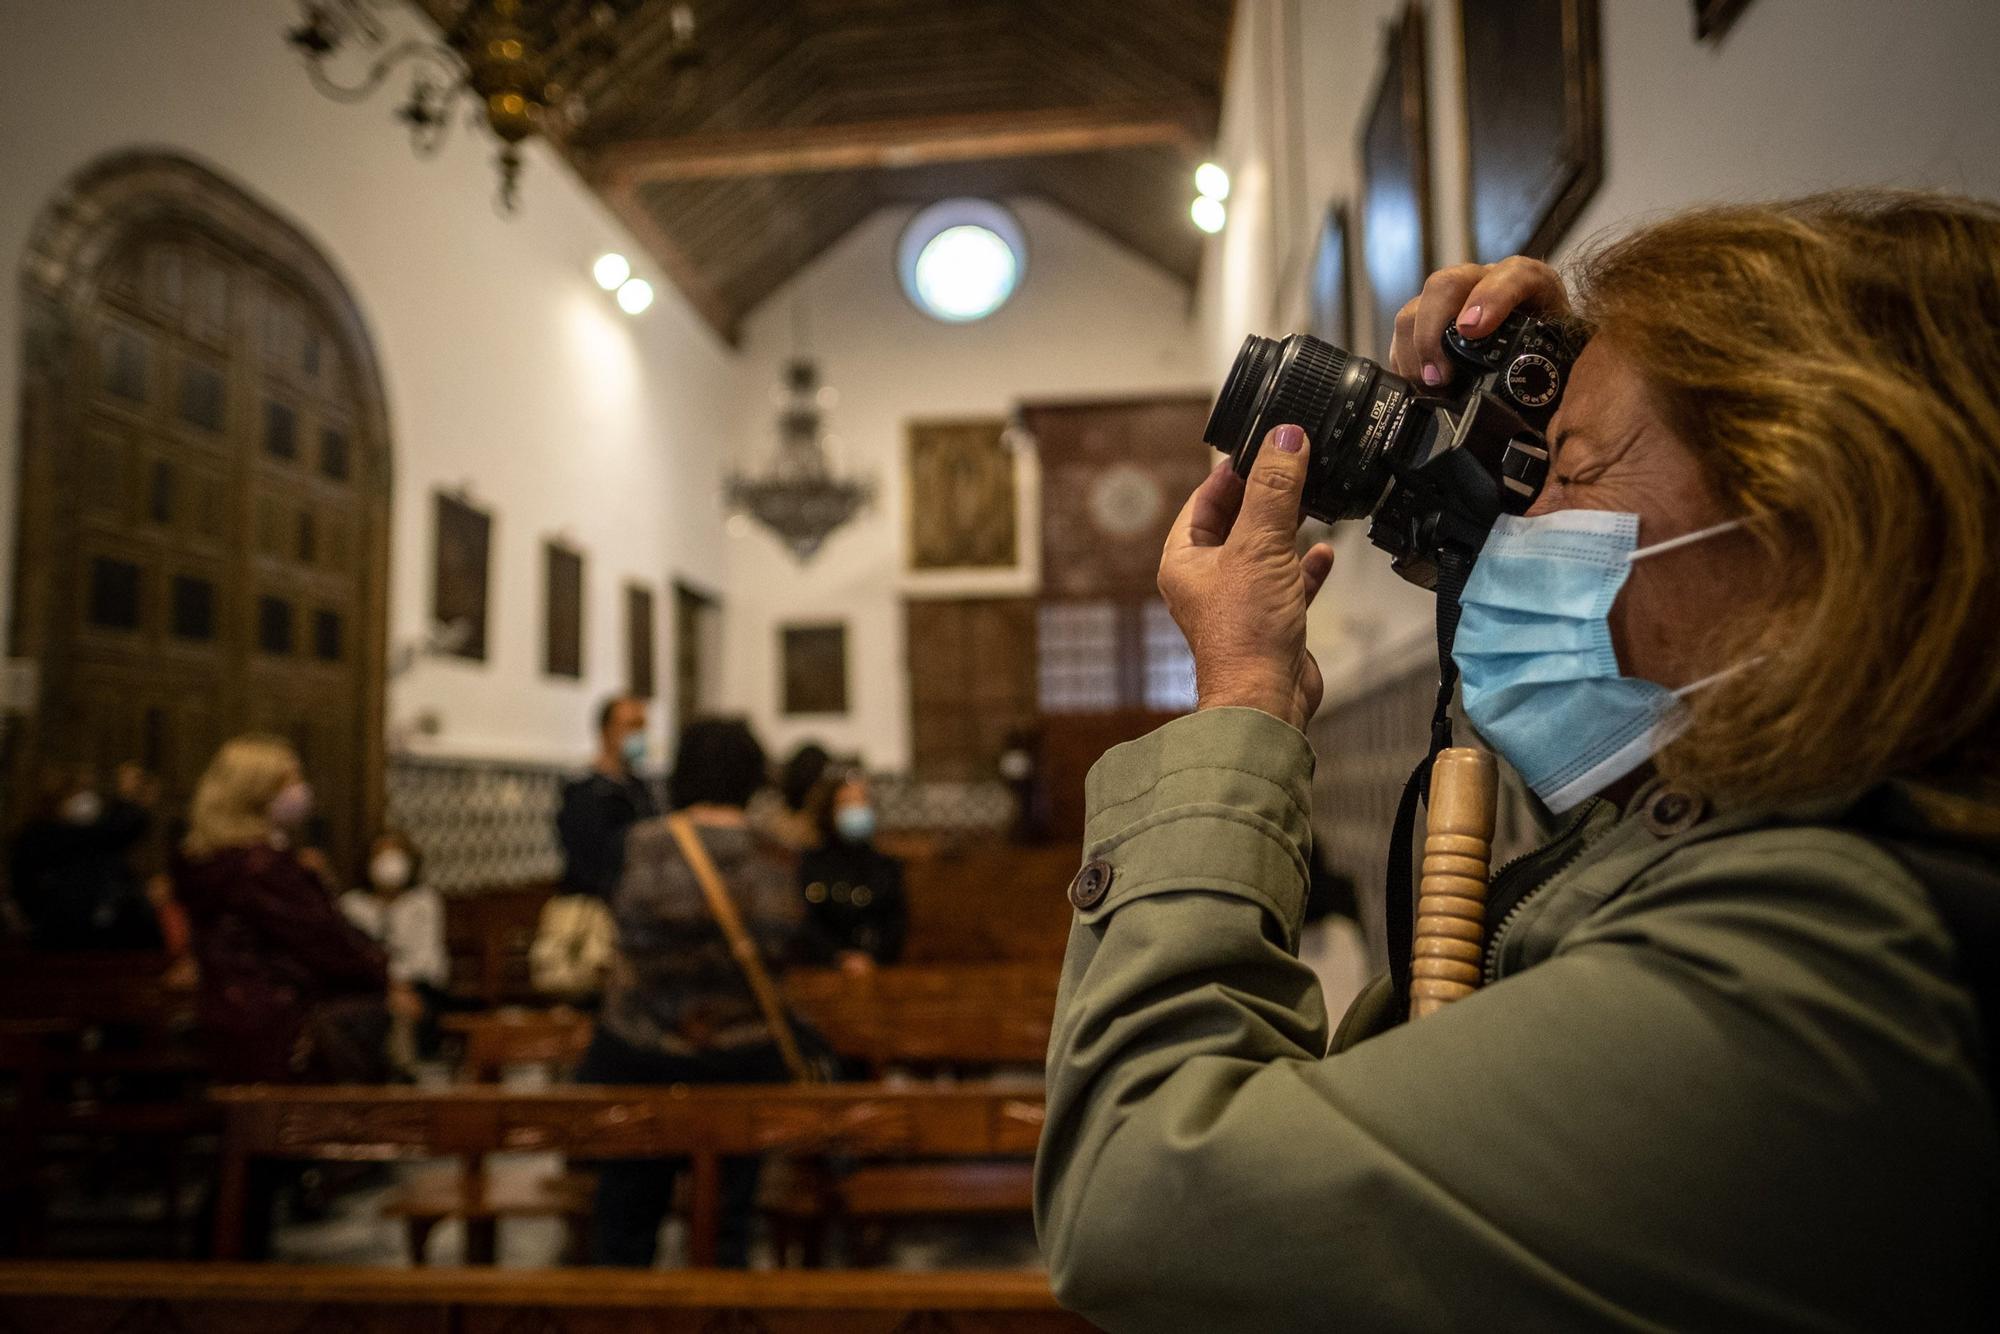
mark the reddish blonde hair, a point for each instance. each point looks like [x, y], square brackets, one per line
[1835, 361]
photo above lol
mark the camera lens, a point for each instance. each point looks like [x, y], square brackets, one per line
[1354, 413]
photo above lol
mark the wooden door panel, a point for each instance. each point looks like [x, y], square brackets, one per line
[215, 468]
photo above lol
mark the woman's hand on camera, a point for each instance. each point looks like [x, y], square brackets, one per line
[1475, 298]
[1236, 584]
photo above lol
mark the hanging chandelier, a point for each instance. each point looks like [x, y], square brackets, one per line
[508, 57]
[799, 499]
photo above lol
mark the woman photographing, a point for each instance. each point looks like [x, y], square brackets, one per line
[1729, 1067]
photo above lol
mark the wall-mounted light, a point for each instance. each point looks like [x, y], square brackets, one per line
[611, 270]
[634, 295]
[1208, 214]
[613, 273]
[1211, 184]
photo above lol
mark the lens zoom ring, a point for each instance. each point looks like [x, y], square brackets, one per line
[1305, 388]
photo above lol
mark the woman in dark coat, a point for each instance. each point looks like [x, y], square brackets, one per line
[855, 909]
[289, 990]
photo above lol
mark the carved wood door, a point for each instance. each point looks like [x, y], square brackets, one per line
[200, 526]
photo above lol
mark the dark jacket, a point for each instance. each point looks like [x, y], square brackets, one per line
[854, 901]
[675, 987]
[597, 812]
[75, 884]
[1727, 1073]
[272, 946]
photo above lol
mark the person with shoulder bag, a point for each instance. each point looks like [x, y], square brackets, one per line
[705, 913]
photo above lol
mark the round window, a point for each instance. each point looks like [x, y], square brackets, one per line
[961, 259]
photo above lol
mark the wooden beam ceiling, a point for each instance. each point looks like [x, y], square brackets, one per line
[913, 142]
[803, 118]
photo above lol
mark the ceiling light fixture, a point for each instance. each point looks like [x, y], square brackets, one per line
[509, 57]
[800, 499]
[611, 270]
[1211, 181]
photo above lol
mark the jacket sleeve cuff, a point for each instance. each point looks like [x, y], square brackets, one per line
[1216, 802]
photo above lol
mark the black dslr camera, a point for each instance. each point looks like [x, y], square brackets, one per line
[1434, 471]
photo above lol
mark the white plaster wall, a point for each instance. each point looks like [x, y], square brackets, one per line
[505, 366]
[1800, 95]
[1090, 319]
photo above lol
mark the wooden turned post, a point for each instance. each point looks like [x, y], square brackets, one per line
[1450, 942]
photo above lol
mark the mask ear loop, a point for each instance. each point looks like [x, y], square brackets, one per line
[1685, 539]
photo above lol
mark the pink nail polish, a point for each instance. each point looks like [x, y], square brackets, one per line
[1289, 439]
[1432, 376]
[1469, 318]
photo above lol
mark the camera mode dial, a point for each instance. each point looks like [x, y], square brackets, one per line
[1533, 380]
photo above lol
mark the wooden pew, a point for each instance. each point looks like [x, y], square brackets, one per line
[595, 1122]
[487, 934]
[985, 901]
[932, 1016]
[94, 1025]
[494, 1043]
[61, 1298]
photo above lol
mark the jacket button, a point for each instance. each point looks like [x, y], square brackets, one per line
[1092, 883]
[1673, 811]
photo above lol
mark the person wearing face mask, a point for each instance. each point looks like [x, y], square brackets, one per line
[856, 915]
[1729, 1067]
[599, 808]
[290, 990]
[405, 918]
[71, 866]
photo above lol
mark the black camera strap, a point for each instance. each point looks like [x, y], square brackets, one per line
[1453, 568]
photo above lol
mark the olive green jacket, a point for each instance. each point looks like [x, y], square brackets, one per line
[1724, 1080]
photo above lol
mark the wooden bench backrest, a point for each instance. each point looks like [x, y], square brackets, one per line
[95, 987]
[86, 1295]
[968, 1015]
[553, 1039]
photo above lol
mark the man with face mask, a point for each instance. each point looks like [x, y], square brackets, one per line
[72, 870]
[598, 808]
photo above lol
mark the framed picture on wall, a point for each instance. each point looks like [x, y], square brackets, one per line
[1329, 299]
[1396, 244]
[458, 588]
[562, 647]
[1713, 17]
[1534, 121]
[641, 632]
[815, 666]
[962, 511]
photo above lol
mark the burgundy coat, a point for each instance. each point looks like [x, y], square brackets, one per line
[271, 945]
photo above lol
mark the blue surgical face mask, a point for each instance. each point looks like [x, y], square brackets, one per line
[856, 824]
[634, 750]
[1541, 680]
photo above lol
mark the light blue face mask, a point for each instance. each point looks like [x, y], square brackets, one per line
[1541, 680]
[634, 750]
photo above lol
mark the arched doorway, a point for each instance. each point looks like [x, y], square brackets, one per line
[205, 477]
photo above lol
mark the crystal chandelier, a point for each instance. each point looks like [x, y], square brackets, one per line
[507, 56]
[800, 499]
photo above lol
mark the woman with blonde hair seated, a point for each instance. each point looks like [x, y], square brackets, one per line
[289, 989]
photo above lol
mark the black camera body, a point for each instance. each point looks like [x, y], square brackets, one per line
[1433, 471]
